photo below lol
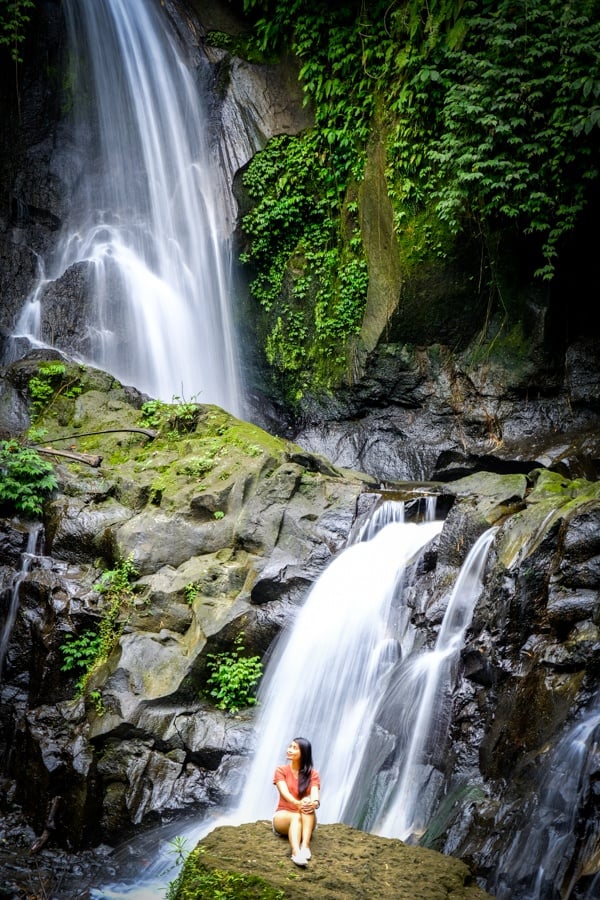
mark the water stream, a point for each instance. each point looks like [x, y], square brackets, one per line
[561, 841]
[13, 593]
[145, 218]
[421, 699]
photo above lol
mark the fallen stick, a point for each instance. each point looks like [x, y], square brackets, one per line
[84, 458]
[48, 828]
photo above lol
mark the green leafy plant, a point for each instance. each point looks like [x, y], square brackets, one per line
[26, 479]
[197, 466]
[51, 380]
[80, 653]
[14, 19]
[234, 677]
[178, 417]
[488, 114]
[191, 591]
[36, 435]
[98, 702]
[86, 652]
[179, 848]
[218, 514]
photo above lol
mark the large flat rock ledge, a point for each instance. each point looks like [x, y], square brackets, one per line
[346, 864]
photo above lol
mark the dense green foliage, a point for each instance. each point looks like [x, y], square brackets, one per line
[489, 111]
[84, 653]
[233, 677]
[25, 479]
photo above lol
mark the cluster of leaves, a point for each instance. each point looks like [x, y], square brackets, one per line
[197, 882]
[490, 111]
[14, 18]
[234, 677]
[51, 380]
[25, 479]
[175, 418]
[85, 653]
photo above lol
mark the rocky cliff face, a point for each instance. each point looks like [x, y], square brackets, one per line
[228, 528]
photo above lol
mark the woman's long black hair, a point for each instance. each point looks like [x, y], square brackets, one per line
[306, 765]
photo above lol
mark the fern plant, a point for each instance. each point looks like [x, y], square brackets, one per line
[26, 479]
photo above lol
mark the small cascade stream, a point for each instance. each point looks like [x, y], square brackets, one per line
[424, 689]
[545, 860]
[13, 594]
[144, 226]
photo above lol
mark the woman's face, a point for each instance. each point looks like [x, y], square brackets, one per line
[293, 752]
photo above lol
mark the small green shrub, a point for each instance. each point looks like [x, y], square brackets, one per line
[234, 677]
[196, 466]
[51, 380]
[14, 18]
[80, 653]
[178, 417]
[191, 591]
[25, 478]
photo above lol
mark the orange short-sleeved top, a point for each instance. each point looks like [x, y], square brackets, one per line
[285, 773]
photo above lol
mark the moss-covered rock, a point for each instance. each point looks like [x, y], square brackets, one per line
[249, 861]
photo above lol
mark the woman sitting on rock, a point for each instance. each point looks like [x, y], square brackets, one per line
[298, 785]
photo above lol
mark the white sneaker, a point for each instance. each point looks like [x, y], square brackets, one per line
[305, 851]
[299, 859]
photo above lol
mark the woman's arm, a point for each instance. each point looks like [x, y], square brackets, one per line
[287, 794]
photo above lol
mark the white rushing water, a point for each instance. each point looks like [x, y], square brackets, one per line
[425, 690]
[145, 221]
[328, 672]
[334, 670]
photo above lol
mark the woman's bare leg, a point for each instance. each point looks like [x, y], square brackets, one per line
[289, 823]
[308, 826]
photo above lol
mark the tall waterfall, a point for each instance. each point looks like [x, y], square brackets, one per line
[144, 223]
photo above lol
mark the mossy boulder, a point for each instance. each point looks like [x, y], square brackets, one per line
[249, 861]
